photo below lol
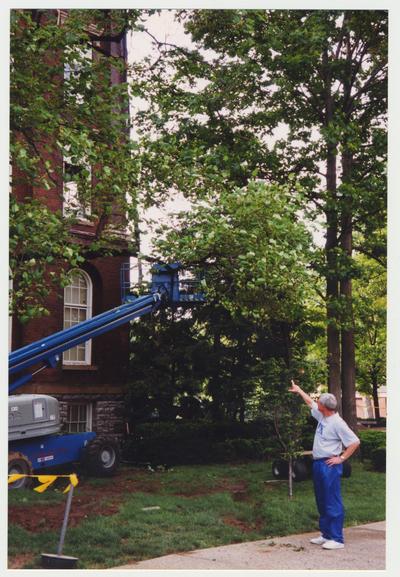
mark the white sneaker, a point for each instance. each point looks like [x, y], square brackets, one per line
[332, 545]
[318, 540]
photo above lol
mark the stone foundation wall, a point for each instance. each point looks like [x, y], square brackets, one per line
[107, 412]
[108, 417]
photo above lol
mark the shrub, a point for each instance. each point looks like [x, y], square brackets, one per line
[206, 429]
[197, 442]
[378, 459]
[167, 451]
[308, 433]
[242, 450]
[371, 440]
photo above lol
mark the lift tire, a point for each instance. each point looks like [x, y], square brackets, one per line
[300, 471]
[19, 464]
[346, 470]
[280, 469]
[101, 457]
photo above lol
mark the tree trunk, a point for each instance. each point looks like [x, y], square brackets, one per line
[333, 335]
[332, 282]
[242, 408]
[375, 385]
[290, 479]
[332, 295]
[348, 368]
[287, 344]
[347, 332]
[214, 385]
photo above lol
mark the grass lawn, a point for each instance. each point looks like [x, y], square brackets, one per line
[139, 514]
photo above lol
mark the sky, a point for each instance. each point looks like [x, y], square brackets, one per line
[165, 29]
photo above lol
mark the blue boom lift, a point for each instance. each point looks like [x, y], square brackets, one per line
[35, 441]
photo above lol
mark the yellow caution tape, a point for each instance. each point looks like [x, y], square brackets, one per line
[45, 480]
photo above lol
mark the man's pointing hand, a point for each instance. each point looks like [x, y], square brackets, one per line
[294, 388]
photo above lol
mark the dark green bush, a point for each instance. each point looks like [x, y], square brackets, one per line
[371, 440]
[378, 459]
[308, 433]
[242, 450]
[166, 451]
[196, 442]
[206, 429]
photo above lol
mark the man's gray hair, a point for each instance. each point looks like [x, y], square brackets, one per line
[328, 400]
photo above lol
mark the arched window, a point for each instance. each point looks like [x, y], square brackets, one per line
[78, 308]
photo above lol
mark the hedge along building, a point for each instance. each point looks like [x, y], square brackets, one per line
[90, 378]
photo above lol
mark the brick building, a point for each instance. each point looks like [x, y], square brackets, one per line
[89, 380]
[365, 405]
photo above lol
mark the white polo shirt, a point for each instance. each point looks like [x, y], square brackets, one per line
[331, 435]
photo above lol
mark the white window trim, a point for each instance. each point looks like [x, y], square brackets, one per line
[88, 344]
[74, 68]
[71, 203]
[89, 414]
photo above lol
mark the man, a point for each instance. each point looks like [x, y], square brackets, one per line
[331, 435]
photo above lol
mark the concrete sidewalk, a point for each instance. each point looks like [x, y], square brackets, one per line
[364, 549]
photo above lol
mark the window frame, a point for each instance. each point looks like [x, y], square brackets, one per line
[89, 310]
[89, 416]
[73, 68]
[71, 204]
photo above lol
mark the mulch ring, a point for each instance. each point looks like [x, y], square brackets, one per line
[88, 501]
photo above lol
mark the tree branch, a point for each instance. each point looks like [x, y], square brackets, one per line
[180, 49]
[38, 154]
[276, 426]
[380, 259]
[367, 83]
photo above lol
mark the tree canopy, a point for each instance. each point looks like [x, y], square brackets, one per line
[294, 97]
[69, 122]
[271, 122]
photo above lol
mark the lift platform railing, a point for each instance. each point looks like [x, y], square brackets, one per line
[165, 278]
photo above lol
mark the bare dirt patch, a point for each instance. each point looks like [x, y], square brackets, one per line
[88, 501]
[233, 522]
[238, 490]
[49, 517]
[19, 561]
[105, 499]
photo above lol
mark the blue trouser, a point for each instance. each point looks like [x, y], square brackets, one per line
[329, 499]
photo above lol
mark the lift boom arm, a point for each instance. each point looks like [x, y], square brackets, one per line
[165, 287]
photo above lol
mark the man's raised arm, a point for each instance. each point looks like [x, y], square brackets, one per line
[296, 389]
